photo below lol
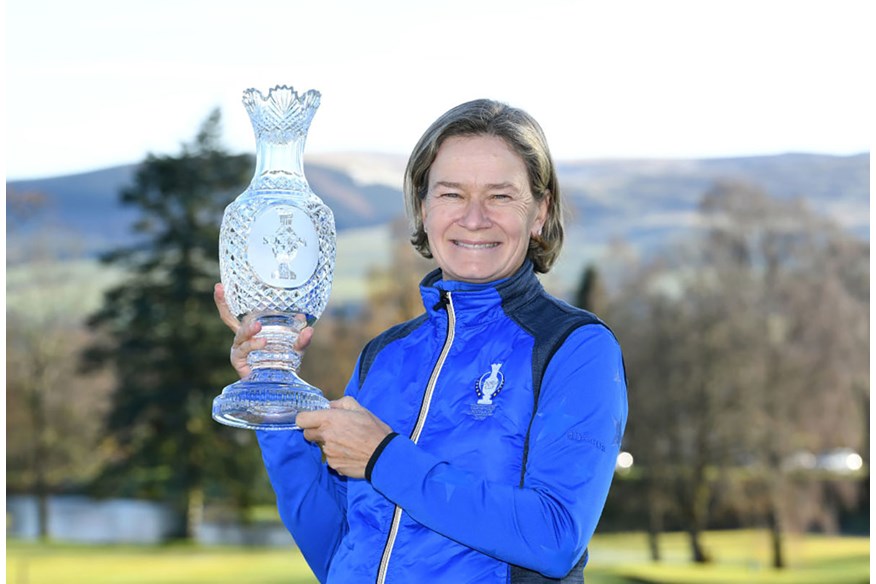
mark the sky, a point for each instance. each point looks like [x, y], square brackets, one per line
[97, 83]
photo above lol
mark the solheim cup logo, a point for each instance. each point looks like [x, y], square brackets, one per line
[276, 258]
[283, 258]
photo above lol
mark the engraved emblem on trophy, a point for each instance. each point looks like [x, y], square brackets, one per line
[285, 246]
[276, 259]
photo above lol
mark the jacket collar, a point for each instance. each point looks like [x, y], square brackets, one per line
[480, 302]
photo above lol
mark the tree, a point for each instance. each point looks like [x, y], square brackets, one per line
[679, 344]
[394, 291]
[51, 438]
[591, 294]
[734, 366]
[811, 360]
[646, 322]
[164, 340]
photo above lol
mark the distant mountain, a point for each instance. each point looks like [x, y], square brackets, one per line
[644, 202]
[647, 201]
[83, 207]
[87, 206]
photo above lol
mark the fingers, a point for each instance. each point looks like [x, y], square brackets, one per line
[234, 323]
[347, 435]
[346, 403]
[244, 333]
[239, 351]
[248, 329]
[224, 312]
[308, 420]
[312, 435]
[303, 340]
[311, 424]
[244, 343]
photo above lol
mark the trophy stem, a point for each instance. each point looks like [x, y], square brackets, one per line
[273, 394]
[281, 331]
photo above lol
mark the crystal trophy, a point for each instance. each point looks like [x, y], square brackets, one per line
[276, 259]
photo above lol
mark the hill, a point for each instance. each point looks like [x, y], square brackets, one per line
[645, 203]
[87, 207]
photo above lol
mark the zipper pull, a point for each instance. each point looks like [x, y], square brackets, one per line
[443, 301]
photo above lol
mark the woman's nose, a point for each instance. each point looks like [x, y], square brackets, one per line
[475, 215]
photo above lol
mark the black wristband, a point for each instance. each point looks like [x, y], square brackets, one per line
[373, 460]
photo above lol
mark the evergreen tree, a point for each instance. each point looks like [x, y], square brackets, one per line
[591, 294]
[164, 339]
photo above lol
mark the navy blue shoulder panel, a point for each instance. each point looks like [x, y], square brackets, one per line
[550, 322]
[375, 345]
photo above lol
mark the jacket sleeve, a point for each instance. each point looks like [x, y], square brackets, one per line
[574, 441]
[311, 498]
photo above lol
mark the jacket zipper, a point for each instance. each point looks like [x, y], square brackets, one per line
[447, 301]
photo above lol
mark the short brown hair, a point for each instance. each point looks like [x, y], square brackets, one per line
[524, 136]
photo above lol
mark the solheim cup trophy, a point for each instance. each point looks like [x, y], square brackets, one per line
[276, 259]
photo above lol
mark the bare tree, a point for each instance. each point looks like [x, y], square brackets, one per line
[53, 409]
[645, 355]
[812, 358]
[746, 346]
[393, 291]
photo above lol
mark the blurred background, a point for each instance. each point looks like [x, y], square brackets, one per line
[715, 159]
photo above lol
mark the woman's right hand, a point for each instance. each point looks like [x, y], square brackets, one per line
[245, 340]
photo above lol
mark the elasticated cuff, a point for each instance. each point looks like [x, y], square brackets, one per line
[371, 461]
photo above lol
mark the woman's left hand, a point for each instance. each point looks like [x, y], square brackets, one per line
[347, 433]
[245, 339]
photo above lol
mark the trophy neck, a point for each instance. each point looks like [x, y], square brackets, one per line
[280, 121]
[273, 159]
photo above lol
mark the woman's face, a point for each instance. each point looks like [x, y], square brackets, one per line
[479, 212]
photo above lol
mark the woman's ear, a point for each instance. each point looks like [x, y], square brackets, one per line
[544, 206]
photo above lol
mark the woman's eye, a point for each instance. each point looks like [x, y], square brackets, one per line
[501, 197]
[449, 195]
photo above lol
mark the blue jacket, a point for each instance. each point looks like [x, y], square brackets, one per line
[509, 408]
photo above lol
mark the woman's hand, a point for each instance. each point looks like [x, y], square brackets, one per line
[347, 433]
[245, 340]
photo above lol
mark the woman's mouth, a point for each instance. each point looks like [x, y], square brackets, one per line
[475, 245]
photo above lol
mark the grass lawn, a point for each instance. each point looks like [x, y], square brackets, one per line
[740, 556]
[30, 563]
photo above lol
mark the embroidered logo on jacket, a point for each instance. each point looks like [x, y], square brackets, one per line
[487, 388]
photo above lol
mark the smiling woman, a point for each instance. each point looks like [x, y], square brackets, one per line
[449, 458]
[478, 211]
[500, 151]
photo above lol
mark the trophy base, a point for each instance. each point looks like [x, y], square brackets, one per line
[269, 399]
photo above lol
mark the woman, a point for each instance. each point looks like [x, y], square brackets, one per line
[477, 442]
